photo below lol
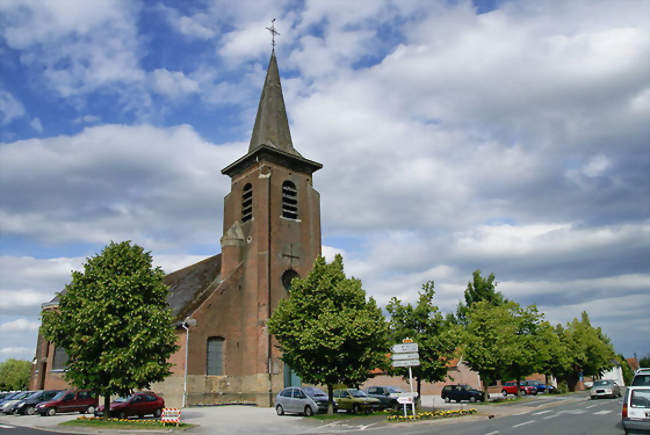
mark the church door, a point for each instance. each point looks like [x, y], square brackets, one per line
[291, 379]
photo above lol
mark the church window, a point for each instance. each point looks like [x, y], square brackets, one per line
[289, 200]
[215, 356]
[247, 203]
[60, 359]
[287, 277]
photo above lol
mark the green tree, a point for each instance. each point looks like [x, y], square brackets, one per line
[554, 354]
[14, 374]
[436, 338]
[327, 331]
[590, 349]
[484, 338]
[628, 373]
[645, 361]
[478, 289]
[114, 322]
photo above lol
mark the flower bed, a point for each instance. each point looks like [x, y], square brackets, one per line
[100, 421]
[431, 415]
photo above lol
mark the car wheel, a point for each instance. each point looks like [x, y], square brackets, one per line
[51, 411]
[397, 406]
[355, 409]
[472, 399]
[308, 411]
[279, 410]
[90, 410]
[447, 399]
[457, 400]
[157, 413]
[122, 415]
[505, 393]
[30, 410]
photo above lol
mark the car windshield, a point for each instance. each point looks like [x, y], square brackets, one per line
[34, 395]
[358, 393]
[641, 380]
[123, 399]
[313, 392]
[640, 399]
[394, 390]
[59, 395]
[24, 395]
[601, 383]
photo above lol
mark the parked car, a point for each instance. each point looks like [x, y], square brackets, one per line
[9, 396]
[355, 400]
[7, 405]
[140, 404]
[511, 388]
[387, 395]
[605, 388]
[635, 413]
[28, 405]
[301, 400]
[69, 401]
[461, 392]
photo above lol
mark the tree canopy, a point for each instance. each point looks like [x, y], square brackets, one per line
[327, 330]
[114, 322]
[478, 289]
[14, 374]
[436, 338]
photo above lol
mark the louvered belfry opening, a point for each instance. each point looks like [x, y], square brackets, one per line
[247, 203]
[289, 200]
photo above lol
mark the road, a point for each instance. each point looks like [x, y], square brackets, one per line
[574, 416]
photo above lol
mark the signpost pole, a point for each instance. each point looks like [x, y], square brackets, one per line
[412, 398]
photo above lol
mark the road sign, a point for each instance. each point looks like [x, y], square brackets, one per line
[403, 356]
[406, 363]
[405, 348]
[407, 394]
[406, 400]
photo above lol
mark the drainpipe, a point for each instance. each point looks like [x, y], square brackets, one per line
[186, 324]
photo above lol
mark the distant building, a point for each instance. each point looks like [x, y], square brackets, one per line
[271, 234]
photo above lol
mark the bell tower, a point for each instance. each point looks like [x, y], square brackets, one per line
[271, 230]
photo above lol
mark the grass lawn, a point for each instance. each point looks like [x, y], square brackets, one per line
[123, 424]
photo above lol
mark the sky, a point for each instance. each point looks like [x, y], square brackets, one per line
[510, 137]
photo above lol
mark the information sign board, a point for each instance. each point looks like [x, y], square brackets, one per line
[406, 363]
[402, 356]
[405, 348]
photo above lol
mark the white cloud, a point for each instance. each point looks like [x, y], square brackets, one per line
[19, 325]
[173, 83]
[596, 166]
[36, 125]
[16, 352]
[10, 108]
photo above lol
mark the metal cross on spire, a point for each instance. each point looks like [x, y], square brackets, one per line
[273, 32]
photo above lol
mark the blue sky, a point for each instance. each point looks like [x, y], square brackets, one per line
[506, 136]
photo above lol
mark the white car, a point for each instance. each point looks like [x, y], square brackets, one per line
[636, 410]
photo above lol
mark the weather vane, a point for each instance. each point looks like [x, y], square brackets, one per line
[273, 32]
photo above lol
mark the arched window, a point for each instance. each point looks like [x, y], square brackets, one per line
[289, 200]
[247, 203]
[215, 356]
[60, 359]
[287, 277]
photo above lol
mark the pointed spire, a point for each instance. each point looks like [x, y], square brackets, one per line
[271, 124]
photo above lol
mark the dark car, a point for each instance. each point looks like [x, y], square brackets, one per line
[69, 401]
[140, 404]
[461, 392]
[28, 405]
[387, 395]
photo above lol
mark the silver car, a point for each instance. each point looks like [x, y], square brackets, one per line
[301, 400]
[636, 410]
[605, 388]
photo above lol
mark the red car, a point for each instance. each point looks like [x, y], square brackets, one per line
[140, 404]
[511, 388]
[69, 401]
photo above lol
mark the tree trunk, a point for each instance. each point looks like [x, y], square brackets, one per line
[330, 399]
[418, 401]
[518, 387]
[107, 405]
[484, 381]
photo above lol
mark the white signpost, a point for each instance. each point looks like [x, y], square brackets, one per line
[406, 355]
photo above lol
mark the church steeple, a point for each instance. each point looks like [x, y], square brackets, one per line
[271, 124]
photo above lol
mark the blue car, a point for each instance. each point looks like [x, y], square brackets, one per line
[541, 388]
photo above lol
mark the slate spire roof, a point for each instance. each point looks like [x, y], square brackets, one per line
[271, 124]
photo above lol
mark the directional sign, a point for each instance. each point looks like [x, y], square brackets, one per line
[405, 348]
[406, 363]
[405, 400]
[403, 356]
[407, 394]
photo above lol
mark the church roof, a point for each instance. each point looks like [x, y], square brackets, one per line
[188, 287]
[271, 123]
[271, 138]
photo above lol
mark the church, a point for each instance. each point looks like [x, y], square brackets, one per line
[271, 234]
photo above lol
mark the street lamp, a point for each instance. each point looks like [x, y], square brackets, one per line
[187, 323]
